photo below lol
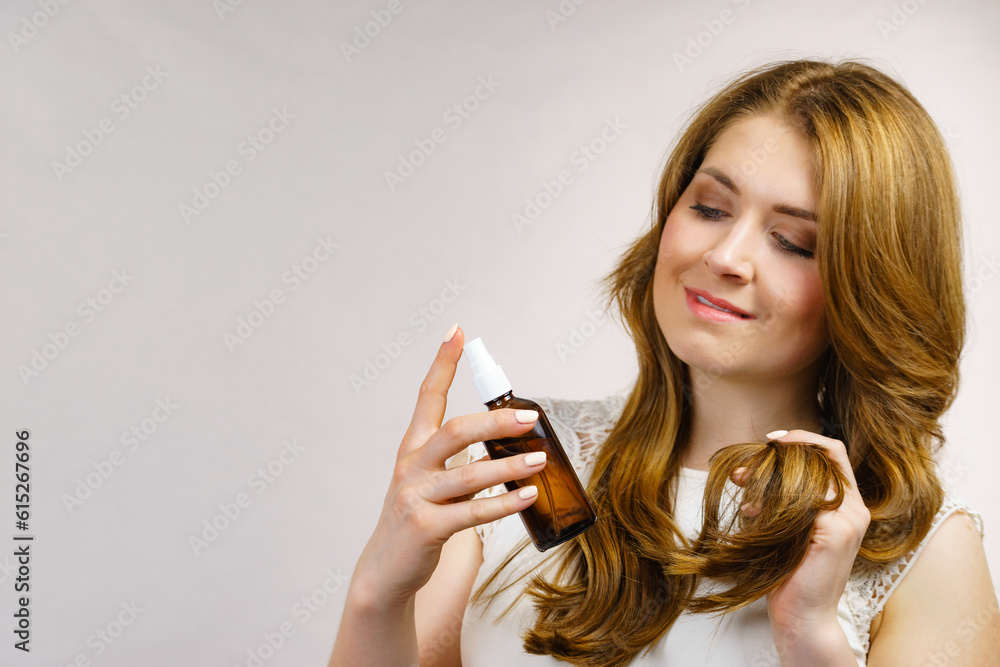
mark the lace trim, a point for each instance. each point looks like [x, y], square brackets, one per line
[581, 426]
[871, 584]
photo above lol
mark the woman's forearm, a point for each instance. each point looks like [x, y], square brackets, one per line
[373, 633]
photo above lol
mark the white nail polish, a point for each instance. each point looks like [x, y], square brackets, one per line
[525, 416]
[527, 492]
[535, 458]
[774, 435]
[451, 333]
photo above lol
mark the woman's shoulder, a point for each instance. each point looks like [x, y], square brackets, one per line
[872, 584]
[946, 600]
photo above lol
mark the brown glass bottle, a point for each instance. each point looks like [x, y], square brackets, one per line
[562, 510]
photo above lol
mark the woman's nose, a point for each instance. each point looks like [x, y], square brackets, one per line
[731, 254]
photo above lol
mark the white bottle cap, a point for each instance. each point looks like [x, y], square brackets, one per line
[487, 376]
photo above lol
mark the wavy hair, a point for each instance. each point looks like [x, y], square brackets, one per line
[889, 257]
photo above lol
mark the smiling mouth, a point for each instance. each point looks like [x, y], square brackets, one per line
[708, 303]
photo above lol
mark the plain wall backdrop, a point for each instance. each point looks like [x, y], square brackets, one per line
[199, 248]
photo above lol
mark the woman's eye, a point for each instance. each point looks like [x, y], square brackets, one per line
[707, 213]
[786, 246]
[783, 244]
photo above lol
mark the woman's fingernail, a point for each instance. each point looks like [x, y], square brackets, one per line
[525, 416]
[774, 435]
[535, 458]
[527, 492]
[451, 333]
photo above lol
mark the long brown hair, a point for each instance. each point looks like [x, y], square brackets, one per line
[889, 257]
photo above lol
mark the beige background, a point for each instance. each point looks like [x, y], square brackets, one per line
[441, 246]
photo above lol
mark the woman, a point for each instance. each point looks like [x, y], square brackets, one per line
[802, 274]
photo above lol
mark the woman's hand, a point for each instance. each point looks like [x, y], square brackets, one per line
[803, 610]
[426, 503]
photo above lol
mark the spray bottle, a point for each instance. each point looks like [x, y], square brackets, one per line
[562, 510]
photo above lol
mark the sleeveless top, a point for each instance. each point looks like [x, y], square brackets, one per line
[742, 637]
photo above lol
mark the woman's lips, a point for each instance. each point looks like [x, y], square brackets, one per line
[713, 313]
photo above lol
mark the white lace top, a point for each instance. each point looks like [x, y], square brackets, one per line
[742, 637]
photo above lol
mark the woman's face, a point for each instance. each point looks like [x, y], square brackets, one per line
[744, 233]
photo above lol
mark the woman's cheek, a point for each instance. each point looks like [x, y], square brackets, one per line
[810, 310]
[679, 241]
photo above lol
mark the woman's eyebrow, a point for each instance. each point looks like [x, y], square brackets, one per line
[784, 209]
[794, 211]
[721, 178]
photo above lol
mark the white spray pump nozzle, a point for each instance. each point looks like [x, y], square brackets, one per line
[486, 374]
